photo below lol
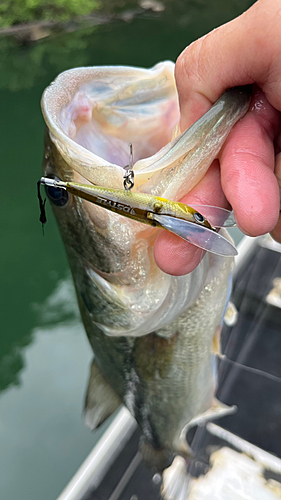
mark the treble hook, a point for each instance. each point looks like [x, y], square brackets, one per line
[129, 173]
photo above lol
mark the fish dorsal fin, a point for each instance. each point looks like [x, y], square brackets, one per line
[101, 400]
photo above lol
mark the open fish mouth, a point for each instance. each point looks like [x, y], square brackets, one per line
[103, 110]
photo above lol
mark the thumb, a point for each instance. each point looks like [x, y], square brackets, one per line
[243, 51]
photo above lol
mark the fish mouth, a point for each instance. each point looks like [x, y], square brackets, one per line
[93, 114]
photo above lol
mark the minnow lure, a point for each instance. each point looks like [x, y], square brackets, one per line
[184, 221]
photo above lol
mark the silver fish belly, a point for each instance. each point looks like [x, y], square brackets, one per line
[152, 334]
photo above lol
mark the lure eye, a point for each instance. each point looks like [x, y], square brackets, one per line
[198, 217]
[59, 197]
[157, 206]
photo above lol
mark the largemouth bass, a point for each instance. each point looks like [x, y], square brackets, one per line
[154, 336]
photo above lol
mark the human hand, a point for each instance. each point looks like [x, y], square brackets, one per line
[248, 174]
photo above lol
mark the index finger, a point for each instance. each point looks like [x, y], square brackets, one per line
[246, 50]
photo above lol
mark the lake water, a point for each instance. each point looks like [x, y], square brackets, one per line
[44, 353]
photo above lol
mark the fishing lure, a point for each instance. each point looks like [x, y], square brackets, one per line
[178, 218]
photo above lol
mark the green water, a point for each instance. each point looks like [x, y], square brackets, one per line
[44, 354]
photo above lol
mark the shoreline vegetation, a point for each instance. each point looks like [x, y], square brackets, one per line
[27, 21]
[31, 50]
[31, 20]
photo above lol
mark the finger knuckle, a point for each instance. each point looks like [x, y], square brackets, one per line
[190, 65]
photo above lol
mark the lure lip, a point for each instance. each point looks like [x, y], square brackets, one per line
[197, 234]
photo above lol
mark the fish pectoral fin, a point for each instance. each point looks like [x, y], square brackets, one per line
[101, 400]
[217, 410]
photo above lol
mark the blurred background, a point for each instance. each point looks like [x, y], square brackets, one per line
[44, 353]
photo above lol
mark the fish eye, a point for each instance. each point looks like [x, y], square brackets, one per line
[59, 197]
[198, 217]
